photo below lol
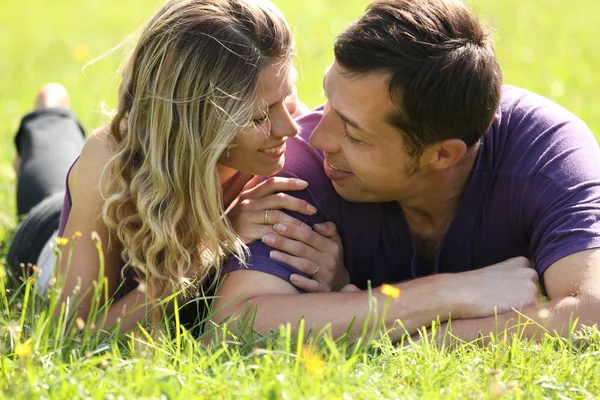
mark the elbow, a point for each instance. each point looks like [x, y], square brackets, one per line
[235, 316]
[582, 308]
[588, 309]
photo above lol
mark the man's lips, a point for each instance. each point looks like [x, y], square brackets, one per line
[336, 168]
[334, 173]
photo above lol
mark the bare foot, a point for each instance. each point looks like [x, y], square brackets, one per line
[53, 95]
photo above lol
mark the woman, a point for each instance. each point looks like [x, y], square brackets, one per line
[205, 106]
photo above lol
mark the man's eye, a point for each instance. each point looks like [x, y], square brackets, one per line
[347, 135]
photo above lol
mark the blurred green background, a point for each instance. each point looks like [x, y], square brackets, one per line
[548, 46]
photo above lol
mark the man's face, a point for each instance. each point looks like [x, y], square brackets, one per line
[365, 156]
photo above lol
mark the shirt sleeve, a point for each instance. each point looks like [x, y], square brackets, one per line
[302, 162]
[564, 195]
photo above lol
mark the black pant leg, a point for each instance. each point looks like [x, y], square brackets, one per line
[48, 141]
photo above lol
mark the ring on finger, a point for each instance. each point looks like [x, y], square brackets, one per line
[266, 218]
[314, 273]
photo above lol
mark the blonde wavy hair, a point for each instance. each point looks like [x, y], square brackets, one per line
[188, 88]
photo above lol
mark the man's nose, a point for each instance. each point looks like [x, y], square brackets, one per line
[323, 137]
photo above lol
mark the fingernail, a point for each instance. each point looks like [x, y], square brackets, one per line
[268, 239]
[275, 255]
[294, 278]
[280, 227]
[301, 183]
[311, 208]
[306, 226]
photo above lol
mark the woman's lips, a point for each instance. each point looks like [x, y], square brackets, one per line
[274, 152]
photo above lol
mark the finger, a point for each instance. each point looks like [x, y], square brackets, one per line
[275, 216]
[254, 232]
[291, 247]
[350, 288]
[301, 264]
[304, 234]
[328, 229]
[308, 285]
[268, 218]
[275, 185]
[282, 201]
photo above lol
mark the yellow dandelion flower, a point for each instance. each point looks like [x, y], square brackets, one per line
[31, 281]
[81, 52]
[23, 350]
[34, 267]
[77, 235]
[390, 291]
[61, 241]
[80, 323]
[313, 363]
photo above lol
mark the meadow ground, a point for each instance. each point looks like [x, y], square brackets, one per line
[548, 46]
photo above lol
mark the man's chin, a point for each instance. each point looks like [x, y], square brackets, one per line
[349, 193]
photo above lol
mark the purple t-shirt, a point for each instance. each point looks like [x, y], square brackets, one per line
[534, 192]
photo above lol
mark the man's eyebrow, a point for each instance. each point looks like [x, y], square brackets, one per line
[340, 115]
[349, 121]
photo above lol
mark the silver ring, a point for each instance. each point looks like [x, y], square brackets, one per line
[267, 217]
[314, 273]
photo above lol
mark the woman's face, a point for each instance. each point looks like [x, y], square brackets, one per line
[259, 148]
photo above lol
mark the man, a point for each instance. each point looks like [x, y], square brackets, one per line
[451, 184]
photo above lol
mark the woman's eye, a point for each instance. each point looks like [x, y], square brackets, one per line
[259, 121]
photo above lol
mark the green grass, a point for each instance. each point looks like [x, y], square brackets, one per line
[547, 46]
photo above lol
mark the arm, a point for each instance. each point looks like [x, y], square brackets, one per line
[573, 286]
[465, 295]
[278, 302]
[85, 217]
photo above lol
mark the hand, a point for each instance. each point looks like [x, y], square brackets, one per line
[318, 253]
[499, 288]
[257, 209]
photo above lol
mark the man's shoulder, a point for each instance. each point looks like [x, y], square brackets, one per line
[531, 134]
[523, 109]
[306, 163]
[308, 122]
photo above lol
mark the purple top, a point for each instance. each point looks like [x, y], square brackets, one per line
[67, 204]
[534, 192]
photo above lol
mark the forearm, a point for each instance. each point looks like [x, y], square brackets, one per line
[421, 302]
[128, 310]
[555, 317]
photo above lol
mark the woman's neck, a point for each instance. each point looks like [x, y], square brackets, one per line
[225, 173]
[232, 183]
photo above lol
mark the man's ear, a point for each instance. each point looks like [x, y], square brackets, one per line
[445, 154]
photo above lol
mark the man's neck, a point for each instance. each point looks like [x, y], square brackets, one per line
[432, 208]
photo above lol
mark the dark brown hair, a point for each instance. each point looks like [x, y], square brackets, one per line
[444, 76]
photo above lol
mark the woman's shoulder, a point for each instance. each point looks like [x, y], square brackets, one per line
[95, 156]
[99, 147]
